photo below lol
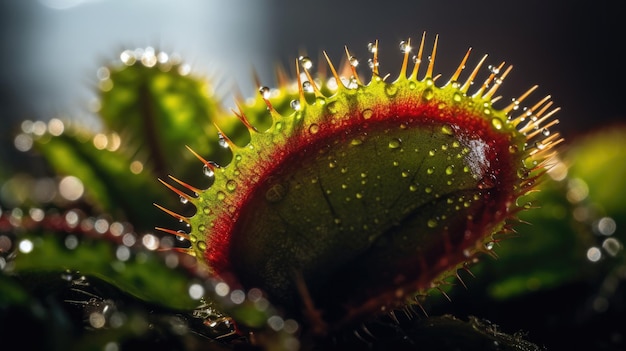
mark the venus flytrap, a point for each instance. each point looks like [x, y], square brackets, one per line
[366, 193]
[316, 207]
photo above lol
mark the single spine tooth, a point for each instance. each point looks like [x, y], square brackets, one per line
[431, 62]
[418, 58]
[470, 79]
[173, 214]
[457, 73]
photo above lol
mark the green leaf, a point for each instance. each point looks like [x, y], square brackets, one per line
[144, 275]
[109, 182]
[159, 108]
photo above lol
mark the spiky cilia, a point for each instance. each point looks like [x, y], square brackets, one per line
[366, 193]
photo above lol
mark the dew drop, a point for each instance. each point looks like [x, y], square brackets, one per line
[413, 187]
[201, 245]
[367, 113]
[496, 123]
[295, 105]
[545, 132]
[457, 97]
[395, 143]
[221, 196]
[447, 130]
[353, 61]
[71, 242]
[128, 57]
[432, 223]
[314, 128]
[372, 64]
[332, 107]
[489, 245]
[612, 246]
[450, 169]
[352, 83]
[208, 171]
[605, 226]
[594, 254]
[183, 200]
[307, 87]
[404, 47]
[412, 85]
[430, 170]
[428, 94]
[182, 234]
[192, 237]
[265, 92]
[428, 190]
[405, 173]
[391, 89]
[231, 185]
[371, 47]
[306, 62]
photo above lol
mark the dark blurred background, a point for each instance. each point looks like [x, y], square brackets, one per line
[51, 49]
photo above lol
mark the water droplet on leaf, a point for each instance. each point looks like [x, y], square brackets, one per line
[314, 128]
[395, 143]
[367, 113]
[496, 123]
[295, 105]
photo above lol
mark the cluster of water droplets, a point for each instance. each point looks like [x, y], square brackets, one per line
[22, 189]
[150, 57]
[42, 132]
[252, 299]
[29, 130]
[106, 313]
[601, 226]
[147, 57]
